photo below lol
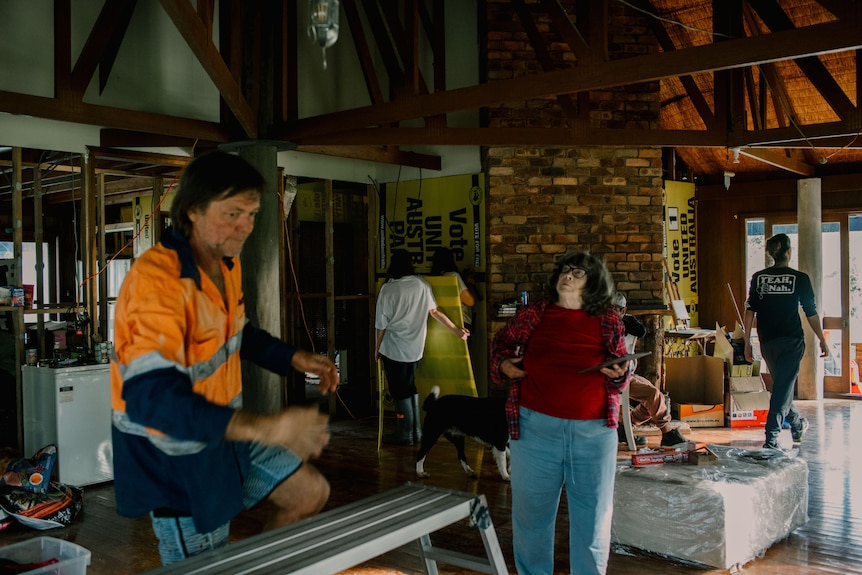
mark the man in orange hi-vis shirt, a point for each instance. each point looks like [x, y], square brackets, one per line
[185, 452]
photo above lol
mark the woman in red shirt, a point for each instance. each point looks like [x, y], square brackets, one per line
[563, 414]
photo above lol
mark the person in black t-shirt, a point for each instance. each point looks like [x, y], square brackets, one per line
[774, 298]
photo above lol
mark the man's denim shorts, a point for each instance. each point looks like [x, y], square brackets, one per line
[178, 538]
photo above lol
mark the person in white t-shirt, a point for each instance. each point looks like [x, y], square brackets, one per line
[401, 323]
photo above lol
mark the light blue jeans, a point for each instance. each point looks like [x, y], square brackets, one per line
[550, 454]
[782, 356]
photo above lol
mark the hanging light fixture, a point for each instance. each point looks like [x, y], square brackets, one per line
[323, 28]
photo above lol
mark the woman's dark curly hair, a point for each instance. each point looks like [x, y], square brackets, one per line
[599, 289]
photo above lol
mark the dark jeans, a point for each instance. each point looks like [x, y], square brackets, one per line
[400, 377]
[783, 356]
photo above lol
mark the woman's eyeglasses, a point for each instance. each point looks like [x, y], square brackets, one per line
[573, 271]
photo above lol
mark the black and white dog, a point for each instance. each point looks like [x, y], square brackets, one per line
[459, 416]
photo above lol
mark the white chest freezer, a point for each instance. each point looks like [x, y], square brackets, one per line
[71, 408]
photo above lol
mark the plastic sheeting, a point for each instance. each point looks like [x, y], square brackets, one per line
[721, 515]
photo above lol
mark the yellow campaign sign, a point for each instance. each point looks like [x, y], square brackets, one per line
[680, 245]
[446, 362]
[421, 216]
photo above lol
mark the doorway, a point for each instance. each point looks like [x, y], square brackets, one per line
[840, 301]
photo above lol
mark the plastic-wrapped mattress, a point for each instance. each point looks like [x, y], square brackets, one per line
[721, 515]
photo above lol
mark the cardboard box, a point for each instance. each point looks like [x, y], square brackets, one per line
[746, 384]
[723, 348]
[721, 520]
[747, 409]
[740, 370]
[702, 456]
[735, 365]
[696, 389]
[696, 415]
[698, 379]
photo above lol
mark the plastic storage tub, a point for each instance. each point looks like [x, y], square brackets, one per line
[71, 559]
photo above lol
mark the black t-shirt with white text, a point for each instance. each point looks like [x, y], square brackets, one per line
[775, 295]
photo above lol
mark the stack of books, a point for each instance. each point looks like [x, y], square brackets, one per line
[507, 308]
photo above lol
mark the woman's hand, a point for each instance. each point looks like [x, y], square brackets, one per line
[511, 368]
[616, 371]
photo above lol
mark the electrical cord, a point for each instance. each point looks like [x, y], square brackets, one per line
[299, 299]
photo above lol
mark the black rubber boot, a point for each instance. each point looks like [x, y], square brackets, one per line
[404, 419]
[417, 421]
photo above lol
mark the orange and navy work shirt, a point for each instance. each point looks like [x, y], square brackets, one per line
[175, 382]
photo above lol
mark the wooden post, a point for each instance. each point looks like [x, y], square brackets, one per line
[810, 382]
[99, 318]
[330, 278]
[262, 286]
[39, 291]
[18, 314]
[88, 234]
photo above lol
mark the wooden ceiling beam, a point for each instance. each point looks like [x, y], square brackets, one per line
[384, 43]
[96, 115]
[436, 30]
[777, 20]
[102, 46]
[567, 29]
[811, 40]
[115, 138]
[98, 155]
[543, 55]
[377, 154]
[592, 16]
[522, 137]
[184, 17]
[775, 138]
[62, 48]
[688, 83]
[779, 160]
[360, 43]
[411, 45]
[840, 8]
[801, 136]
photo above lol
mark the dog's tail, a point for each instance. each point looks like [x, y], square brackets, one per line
[432, 397]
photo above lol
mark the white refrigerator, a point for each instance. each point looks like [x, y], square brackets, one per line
[71, 408]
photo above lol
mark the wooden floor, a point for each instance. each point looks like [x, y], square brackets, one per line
[831, 542]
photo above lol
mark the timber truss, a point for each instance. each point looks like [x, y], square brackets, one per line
[728, 90]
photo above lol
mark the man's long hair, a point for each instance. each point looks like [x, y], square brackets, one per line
[212, 176]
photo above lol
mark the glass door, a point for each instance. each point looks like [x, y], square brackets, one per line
[840, 294]
[854, 287]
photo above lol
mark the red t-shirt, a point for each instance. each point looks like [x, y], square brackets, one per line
[565, 342]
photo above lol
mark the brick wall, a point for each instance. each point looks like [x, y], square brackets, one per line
[545, 201]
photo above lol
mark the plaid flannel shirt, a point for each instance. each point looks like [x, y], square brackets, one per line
[513, 338]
